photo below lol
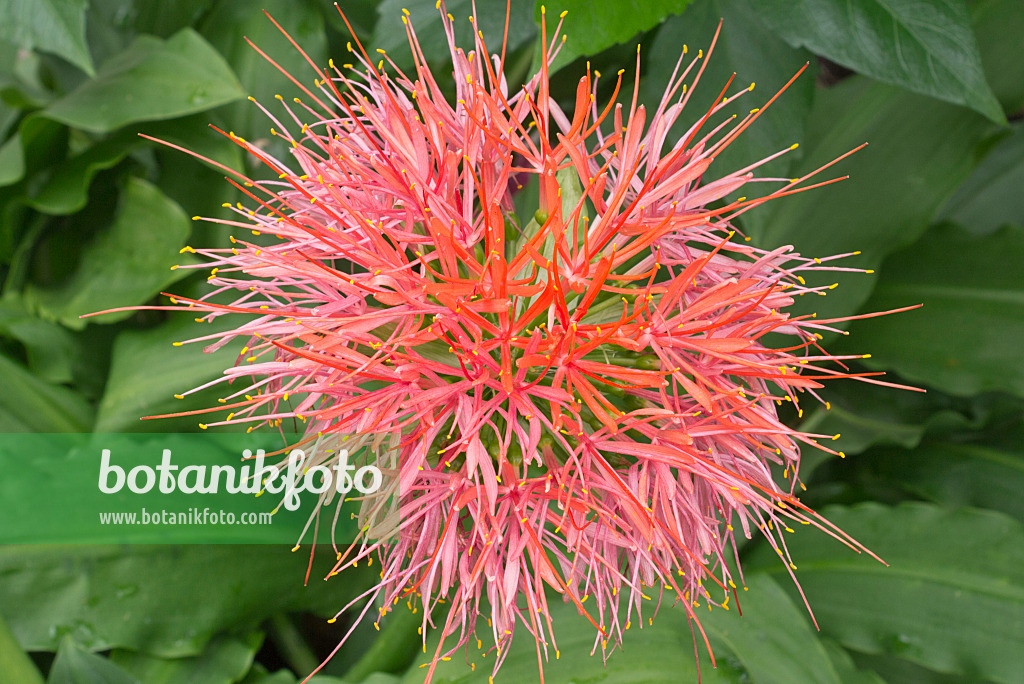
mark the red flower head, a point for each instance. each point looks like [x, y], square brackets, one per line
[577, 394]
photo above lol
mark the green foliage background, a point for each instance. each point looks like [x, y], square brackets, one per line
[92, 216]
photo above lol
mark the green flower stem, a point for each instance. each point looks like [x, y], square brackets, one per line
[293, 648]
[394, 649]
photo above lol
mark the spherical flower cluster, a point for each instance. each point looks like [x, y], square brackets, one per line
[542, 324]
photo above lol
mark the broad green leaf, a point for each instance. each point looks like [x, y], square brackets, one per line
[894, 189]
[147, 371]
[991, 198]
[29, 404]
[76, 665]
[952, 598]
[669, 637]
[167, 601]
[261, 79]
[979, 472]
[965, 339]
[12, 161]
[846, 668]
[15, 664]
[165, 18]
[591, 27]
[37, 144]
[864, 415]
[755, 55]
[56, 26]
[126, 264]
[27, 78]
[389, 34]
[923, 45]
[151, 80]
[224, 660]
[770, 653]
[52, 350]
[895, 670]
[67, 190]
[999, 24]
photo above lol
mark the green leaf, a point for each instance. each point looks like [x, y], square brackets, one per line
[28, 404]
[863, 415]
[755, 55]
[38, 143]
[670, 638]
[389, 34]
[999, 24]
[152, 79]
[991, 198]
[126, 264]
[770, 654]
[923, 45]
[67, 190]
[147, 371]
[15, 664]
[591, 27]
[965, 337]
[56, 26]
[164, 18]
[52, 351]
[223, 661]
[75, 665]
[895, 186]
[981, 472]
[148, 598]
[12, 161]
[897, 671]
[951, 600]
[846, 668]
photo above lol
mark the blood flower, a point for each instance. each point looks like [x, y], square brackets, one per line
[543, 324]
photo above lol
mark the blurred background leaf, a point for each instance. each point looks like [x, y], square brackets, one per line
[133, 598]
[56, 26]
[121, 266]
[151, 79]
[966, 336]
[92, 216]
[951, 598]
[926, 46]
[76, 665]
[990, 198]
